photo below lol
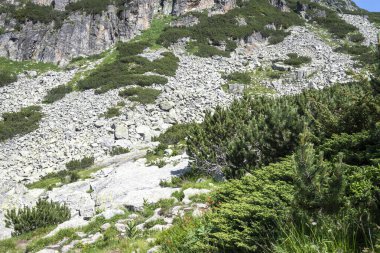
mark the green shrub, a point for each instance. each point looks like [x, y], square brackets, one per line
[247, 213]
[188, 235]
[223, 29]
[353, 50]
[206, 51]
[129, 69]
[332, 22]
[20, 123]
[112, 112]
[43, 214]
[6, 78]
[57, 93]
[253, 132]
[174, 134]
[357, 38]
[179, 195]
[38, 13]
[92, 6]
[119, 151]
[239, 77]
[141, 95]
[84, 163]
[295, 60]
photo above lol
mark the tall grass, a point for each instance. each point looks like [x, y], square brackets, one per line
[326, 235]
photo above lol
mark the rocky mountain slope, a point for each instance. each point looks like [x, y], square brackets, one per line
[310, 56]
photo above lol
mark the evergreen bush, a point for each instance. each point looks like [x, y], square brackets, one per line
[6, 78]
[83, 163]
[57, 93]
[19, 123]
[43, 214]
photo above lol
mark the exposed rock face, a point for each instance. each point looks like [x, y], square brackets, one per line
[79, 35]
[83, 34]
[339, 4]
[280, 4]
[57, 4]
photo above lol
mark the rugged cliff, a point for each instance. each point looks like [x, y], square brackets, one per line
[88, 34]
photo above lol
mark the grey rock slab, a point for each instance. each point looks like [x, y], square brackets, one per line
[110, 213]
[75, 222]
[131, 183]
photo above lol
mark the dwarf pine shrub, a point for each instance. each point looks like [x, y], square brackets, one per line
[83, 163]
[6, 78]
[43, 214]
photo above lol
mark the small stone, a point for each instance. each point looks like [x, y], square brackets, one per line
[154, 249]
[105, 226]
[99, 123]
[120, 227]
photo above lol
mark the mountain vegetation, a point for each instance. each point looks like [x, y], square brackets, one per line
[21, 122]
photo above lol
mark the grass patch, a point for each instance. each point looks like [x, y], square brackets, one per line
[252, 80]
[141, 95]
[17, 244]
[10, 69]
[56, 179]
[20, 123]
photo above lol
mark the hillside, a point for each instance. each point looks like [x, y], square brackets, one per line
[189, 126]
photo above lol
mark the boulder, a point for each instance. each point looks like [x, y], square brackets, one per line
[167, 105]
[121, 132]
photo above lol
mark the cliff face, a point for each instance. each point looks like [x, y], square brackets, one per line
[83, 34]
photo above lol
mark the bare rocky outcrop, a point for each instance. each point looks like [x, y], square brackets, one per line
[82, 34]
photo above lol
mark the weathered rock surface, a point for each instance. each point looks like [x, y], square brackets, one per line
[84, 34]
[365, 27]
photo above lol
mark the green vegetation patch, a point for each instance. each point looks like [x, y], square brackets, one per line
[7, 78]
[83, 163]
[93, 6]
[20, 123]
[43, 214]
[129, 69]
[38, 13]
[112, 112]
[10, 69]
[119, 151]
[296, 60]
[272, 126]
[57, 93]
[224, 30]
[141, 95]
[252, 81]
[56, 179]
